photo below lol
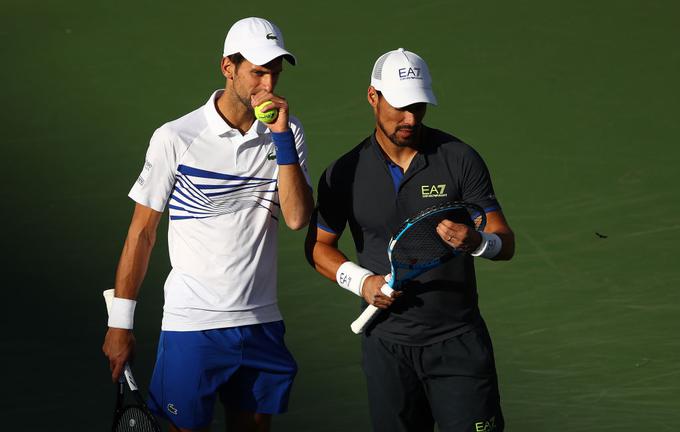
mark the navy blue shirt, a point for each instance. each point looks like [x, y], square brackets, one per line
[361, 191]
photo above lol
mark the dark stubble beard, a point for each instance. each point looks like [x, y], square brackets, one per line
[408, 142]
[244, 100]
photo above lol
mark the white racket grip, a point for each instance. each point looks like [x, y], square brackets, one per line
[369, 313]
[386, 289]
[129, 377]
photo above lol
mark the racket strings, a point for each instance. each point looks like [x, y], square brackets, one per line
[419, 243]
[135, 419]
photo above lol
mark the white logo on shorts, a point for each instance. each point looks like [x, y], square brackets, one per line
[172, 409]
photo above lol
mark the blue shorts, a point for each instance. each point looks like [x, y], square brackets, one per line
[249, 367]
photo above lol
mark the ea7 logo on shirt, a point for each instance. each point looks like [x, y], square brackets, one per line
[433, 191]
[486, 425]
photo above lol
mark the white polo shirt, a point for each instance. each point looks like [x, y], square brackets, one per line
[221, 191]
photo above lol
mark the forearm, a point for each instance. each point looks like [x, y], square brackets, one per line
[324, 257]
[327, 260]
[119, 342]
[295, 196]
[508, 249]
[134, 260]
[133, 264]
[497, 224]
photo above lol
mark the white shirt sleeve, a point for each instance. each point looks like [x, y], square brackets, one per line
[154, 185]
[301, 147]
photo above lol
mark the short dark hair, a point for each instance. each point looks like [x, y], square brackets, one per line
[236, 59]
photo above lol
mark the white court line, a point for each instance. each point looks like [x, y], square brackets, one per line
[654, 231]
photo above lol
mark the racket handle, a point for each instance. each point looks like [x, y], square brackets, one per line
[369, 313]
[127, 373]
[364, 319]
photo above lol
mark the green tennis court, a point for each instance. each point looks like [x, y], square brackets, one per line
[573, 105]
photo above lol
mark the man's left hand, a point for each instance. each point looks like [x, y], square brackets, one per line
[459, 236]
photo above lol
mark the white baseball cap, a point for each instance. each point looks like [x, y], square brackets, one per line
[258, 40]
[403, 78]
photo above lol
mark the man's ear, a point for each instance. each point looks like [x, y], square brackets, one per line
[228, 68]
[372, 96]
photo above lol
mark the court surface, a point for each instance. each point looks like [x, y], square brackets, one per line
[573, 105]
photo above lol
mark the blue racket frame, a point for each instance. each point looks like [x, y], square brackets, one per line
[371, 311]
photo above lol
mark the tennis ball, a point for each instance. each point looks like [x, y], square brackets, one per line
[266, 116]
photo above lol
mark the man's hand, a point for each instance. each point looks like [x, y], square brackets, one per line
[119, 346]
[372, 294]
[281, 122]
[459, 236]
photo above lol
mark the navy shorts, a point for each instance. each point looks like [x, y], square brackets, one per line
[249, 367]
[452, 383]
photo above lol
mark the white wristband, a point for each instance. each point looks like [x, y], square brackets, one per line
[490, 247]
[351, 277]
[122, 313]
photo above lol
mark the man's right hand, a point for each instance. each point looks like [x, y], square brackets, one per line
[372, 294]
[119, 346]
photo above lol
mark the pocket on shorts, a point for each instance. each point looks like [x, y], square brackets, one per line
[468, 354]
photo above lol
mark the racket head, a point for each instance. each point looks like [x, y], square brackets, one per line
[132, 417]
[135, 418]
[418, 247]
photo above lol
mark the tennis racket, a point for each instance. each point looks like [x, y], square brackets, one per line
[417, 248]
[130, 416]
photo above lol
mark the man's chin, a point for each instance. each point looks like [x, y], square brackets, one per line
[403, 141]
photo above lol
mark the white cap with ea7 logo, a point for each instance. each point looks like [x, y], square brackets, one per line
[258, 40]
[403, 78]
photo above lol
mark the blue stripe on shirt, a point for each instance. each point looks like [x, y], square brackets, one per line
[325, 228]
[397, 174]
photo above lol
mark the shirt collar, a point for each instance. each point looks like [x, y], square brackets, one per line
[219, 126]
[418, 162]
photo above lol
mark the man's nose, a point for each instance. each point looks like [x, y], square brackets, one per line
[409, 118]
[267, 83]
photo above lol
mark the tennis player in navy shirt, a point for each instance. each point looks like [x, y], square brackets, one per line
[428, 357]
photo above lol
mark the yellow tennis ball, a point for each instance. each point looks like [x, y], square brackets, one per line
[266, 116]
